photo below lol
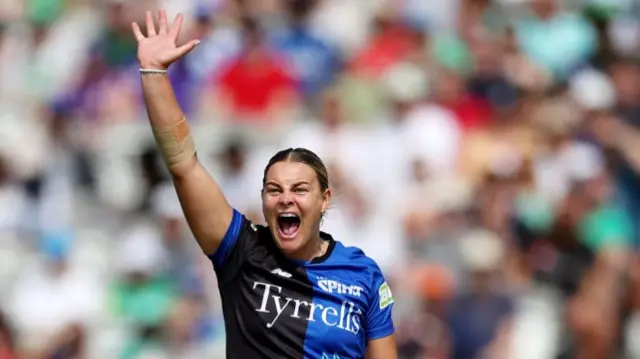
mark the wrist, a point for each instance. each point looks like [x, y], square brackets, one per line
[152, 66]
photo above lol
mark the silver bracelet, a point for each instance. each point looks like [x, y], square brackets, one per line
[153, 71]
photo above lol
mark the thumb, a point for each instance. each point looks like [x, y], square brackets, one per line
[184, 49]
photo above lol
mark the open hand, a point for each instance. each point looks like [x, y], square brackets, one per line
[158, 49]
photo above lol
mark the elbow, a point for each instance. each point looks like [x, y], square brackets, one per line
[183, 169]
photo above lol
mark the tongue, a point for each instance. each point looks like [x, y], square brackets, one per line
[289, 227]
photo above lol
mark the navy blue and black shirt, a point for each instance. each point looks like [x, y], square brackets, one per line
[276, 307]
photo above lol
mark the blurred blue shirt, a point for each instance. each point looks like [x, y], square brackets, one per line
[475, 322]
[313, 62]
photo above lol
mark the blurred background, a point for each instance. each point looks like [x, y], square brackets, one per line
[485, 153]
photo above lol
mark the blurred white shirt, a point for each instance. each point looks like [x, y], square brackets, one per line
[555, 172]
[41, 304]
[428, 133]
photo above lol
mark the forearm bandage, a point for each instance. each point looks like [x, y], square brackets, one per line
[175, 142]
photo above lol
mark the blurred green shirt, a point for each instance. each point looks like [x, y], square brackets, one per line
[606, 226]
[145, 304]
[44, 12]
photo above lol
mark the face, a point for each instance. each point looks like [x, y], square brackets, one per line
[544, 8]
[488, 56]
[450, 86]
[292, 204]
[625, 78]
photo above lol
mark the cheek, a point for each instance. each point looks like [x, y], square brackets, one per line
[268, 205]
[310, 207]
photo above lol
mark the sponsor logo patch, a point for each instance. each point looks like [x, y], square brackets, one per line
[385, 295]
[333, 286]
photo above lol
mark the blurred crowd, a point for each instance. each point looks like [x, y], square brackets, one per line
[485, 153]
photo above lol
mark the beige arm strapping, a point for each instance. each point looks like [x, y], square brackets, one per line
[175, 142]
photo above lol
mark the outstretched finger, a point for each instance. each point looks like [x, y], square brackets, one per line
[136, 31]
[184, 49]
[175, 28]
[151, 28]
[163, 23]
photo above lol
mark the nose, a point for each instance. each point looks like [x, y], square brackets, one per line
[286, 199]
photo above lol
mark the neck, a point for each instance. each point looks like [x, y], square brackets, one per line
[314, 248]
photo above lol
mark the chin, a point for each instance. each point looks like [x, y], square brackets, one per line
[289, 245]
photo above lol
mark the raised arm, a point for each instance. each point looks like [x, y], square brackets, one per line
[203, 203]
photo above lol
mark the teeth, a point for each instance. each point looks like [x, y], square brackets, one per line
[288, 215]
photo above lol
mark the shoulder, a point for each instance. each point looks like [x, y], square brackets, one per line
[352, 254]
[259, 229]
[356, 261]
[254, 230]
[377, 296]
[244, 229]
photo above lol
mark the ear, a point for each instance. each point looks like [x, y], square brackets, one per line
[326, 201]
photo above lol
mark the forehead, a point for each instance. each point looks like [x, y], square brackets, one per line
[290, 172]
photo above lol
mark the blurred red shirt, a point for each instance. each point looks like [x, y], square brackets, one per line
[451, 92]
[255, 82]
[472, 112]
[392, 45]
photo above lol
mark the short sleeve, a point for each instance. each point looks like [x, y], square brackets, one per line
[379, 315]
[231, 252]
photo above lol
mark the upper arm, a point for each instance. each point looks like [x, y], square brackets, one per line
[205, 207]
[379, 322]
[383, 348]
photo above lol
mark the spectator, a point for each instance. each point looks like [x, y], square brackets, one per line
[64, 298]
[143, 295]
[236, 177]
[550, 28]
[258, 67]
[480, 316]
[315, 64]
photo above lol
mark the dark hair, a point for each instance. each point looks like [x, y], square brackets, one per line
[301, 155]
[300, 9]
[250, 26]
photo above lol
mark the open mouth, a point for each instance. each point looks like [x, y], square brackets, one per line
[288, 225]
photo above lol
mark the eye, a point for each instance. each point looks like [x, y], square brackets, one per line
[273, 190]
[301, 190]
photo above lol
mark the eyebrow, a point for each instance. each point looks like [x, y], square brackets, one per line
[273, 184]
[296, 184]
